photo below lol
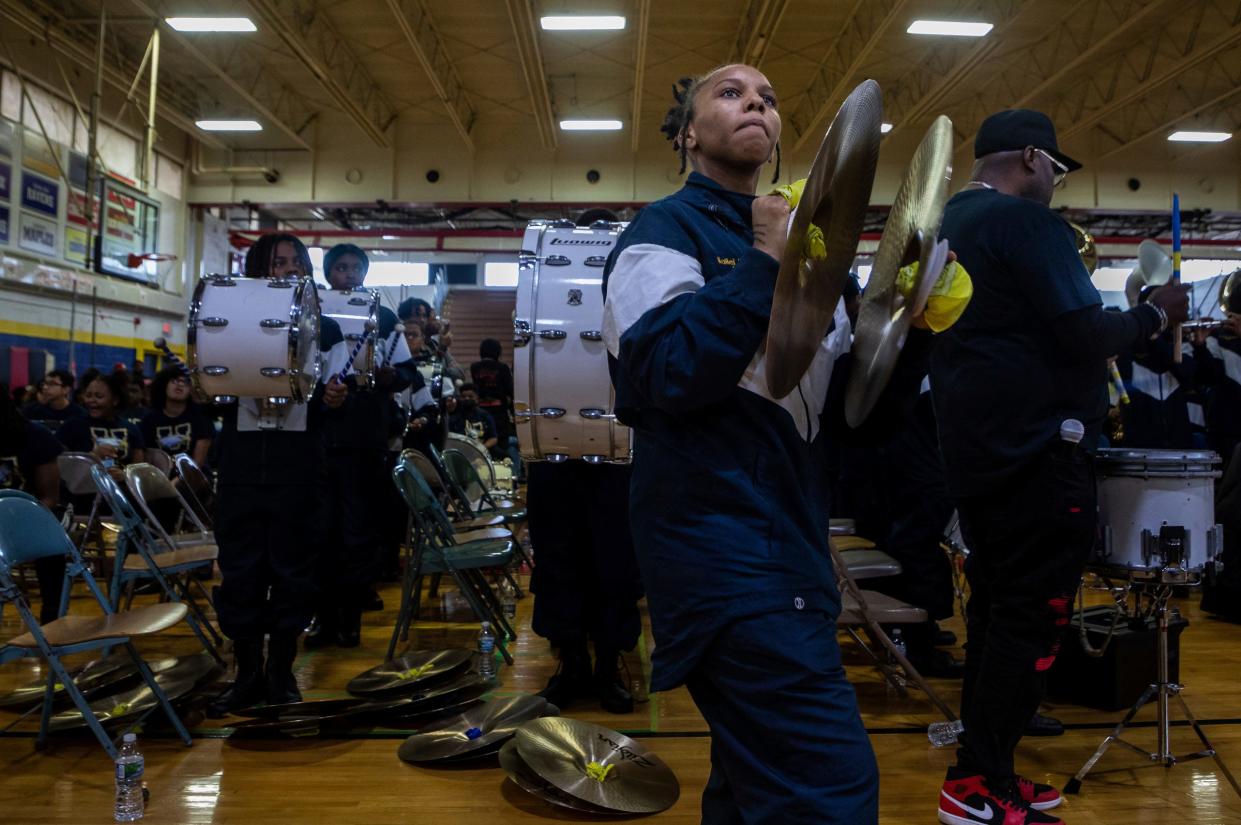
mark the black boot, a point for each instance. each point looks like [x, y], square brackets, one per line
[248, 688]
[349, 632]
[572, 679]
[322, 631]
[613, 695]
[281, 686]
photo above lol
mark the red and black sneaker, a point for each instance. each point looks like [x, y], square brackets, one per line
[969, 801]
[1038, 796]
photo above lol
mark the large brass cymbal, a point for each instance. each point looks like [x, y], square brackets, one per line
[476, 731]
[523, 777]
[597, 765]
[910, 234]
[124, 705]
[408, 673]
[834, 199]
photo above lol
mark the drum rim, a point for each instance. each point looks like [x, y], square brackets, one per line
[369, 374]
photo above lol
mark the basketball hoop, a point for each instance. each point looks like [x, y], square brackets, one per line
[133, 261]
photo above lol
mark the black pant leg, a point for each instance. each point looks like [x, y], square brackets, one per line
[293, 540]
[241, 534]
[615, 584]
[50, 571]
[1033, 536]
[554, 505]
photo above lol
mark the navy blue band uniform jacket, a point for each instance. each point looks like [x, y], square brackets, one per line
[728, 505]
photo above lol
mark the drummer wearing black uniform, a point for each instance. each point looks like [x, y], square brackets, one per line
[358, 471]
[268, 506]
[1029, 354]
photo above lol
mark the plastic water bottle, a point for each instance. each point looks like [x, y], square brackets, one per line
[943, 734]
[487, 653]
[894, 665]
[129, 768]
[508, 598]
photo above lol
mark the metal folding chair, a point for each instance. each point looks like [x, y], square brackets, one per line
[28, 531]
[196, 488]
[159, 459]
[141, 556]
[434, 547]
[75, 469]
[478, 499]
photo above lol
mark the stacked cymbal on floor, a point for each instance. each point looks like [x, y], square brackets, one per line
[588, 768]
[478, 732]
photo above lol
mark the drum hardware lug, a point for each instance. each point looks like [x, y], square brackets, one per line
[279, 400]
[358, 302]
[596, 260]
[521, 333]
[594, 459]
[221, 280]
[563, 223]
[215, 371]
[556, 260]
[557, 458]
[553, 334]
[1107, 542]
[280, 283]
[214, 321]
[1215, 541]
[596, 414]
[273, 323]
[273, 372]
[545, 412]
[591, 335]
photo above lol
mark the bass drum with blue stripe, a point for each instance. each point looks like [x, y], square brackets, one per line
[562, 393]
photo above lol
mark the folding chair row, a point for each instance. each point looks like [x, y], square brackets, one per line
[28, 531]
[435, 547]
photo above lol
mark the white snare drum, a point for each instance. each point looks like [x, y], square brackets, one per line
[561, 387]
[254, 338]
[474, 450]
[357, 312]
[1157, 510]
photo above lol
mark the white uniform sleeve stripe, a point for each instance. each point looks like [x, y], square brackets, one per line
[645, 276]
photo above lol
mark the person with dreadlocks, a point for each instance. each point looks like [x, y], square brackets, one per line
[728, 496]
[269, 507]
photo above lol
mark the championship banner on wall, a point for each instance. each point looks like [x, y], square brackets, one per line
[40, 194]
[38, 234]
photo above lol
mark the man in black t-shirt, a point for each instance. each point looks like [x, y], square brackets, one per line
[56, 406]
[1029, 353]
[469, 419]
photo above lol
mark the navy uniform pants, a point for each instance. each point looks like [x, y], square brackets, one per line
[1029, 539]
[787, 742]
[586, 580]
[358, 486]
[269, 538]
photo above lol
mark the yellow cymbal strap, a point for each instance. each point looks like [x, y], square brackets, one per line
[949, 296]
[597, 771]
[814, 247]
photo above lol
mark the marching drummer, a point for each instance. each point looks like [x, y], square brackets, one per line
[271, 489]
[1018, 379]
[358, 477]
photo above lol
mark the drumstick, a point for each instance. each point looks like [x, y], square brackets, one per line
[1118, 382]
[161, 344]
[397, 332]
[1176, 271]
[367, 336]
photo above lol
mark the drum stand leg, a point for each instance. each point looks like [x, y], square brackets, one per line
[1162, 692]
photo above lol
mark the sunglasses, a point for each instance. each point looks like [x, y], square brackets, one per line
[1061, 171]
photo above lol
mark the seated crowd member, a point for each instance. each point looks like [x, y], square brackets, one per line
[55, 402]
[469, 419]
[176, 424]
[104, 432]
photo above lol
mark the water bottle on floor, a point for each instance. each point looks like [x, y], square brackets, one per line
[508, 598]
[129, 768]
[487, 653]
[943, 734]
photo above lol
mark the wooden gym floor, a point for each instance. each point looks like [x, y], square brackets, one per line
[361, 780]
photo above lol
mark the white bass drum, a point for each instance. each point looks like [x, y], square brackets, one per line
[562, 393]
[254, 338]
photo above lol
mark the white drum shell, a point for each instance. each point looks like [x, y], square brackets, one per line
[559, 358]
[247, 347]
[353, 309]
[1134, 497]
[477, 454]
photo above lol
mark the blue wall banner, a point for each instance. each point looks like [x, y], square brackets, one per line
[40, 194]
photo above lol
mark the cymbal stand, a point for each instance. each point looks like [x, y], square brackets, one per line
[1162, 692]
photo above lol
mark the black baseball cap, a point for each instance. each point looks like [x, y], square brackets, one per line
[1014, 129]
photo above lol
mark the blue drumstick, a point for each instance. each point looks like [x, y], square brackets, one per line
[397, 332]
[357, 349]
[162, 344]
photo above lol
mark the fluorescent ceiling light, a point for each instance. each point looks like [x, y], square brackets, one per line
[211, 24]
[1200, 137]
[229, 125]
[581, 22]
[884, 128]
[590, 125]
[951, 28]
[390, 237]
